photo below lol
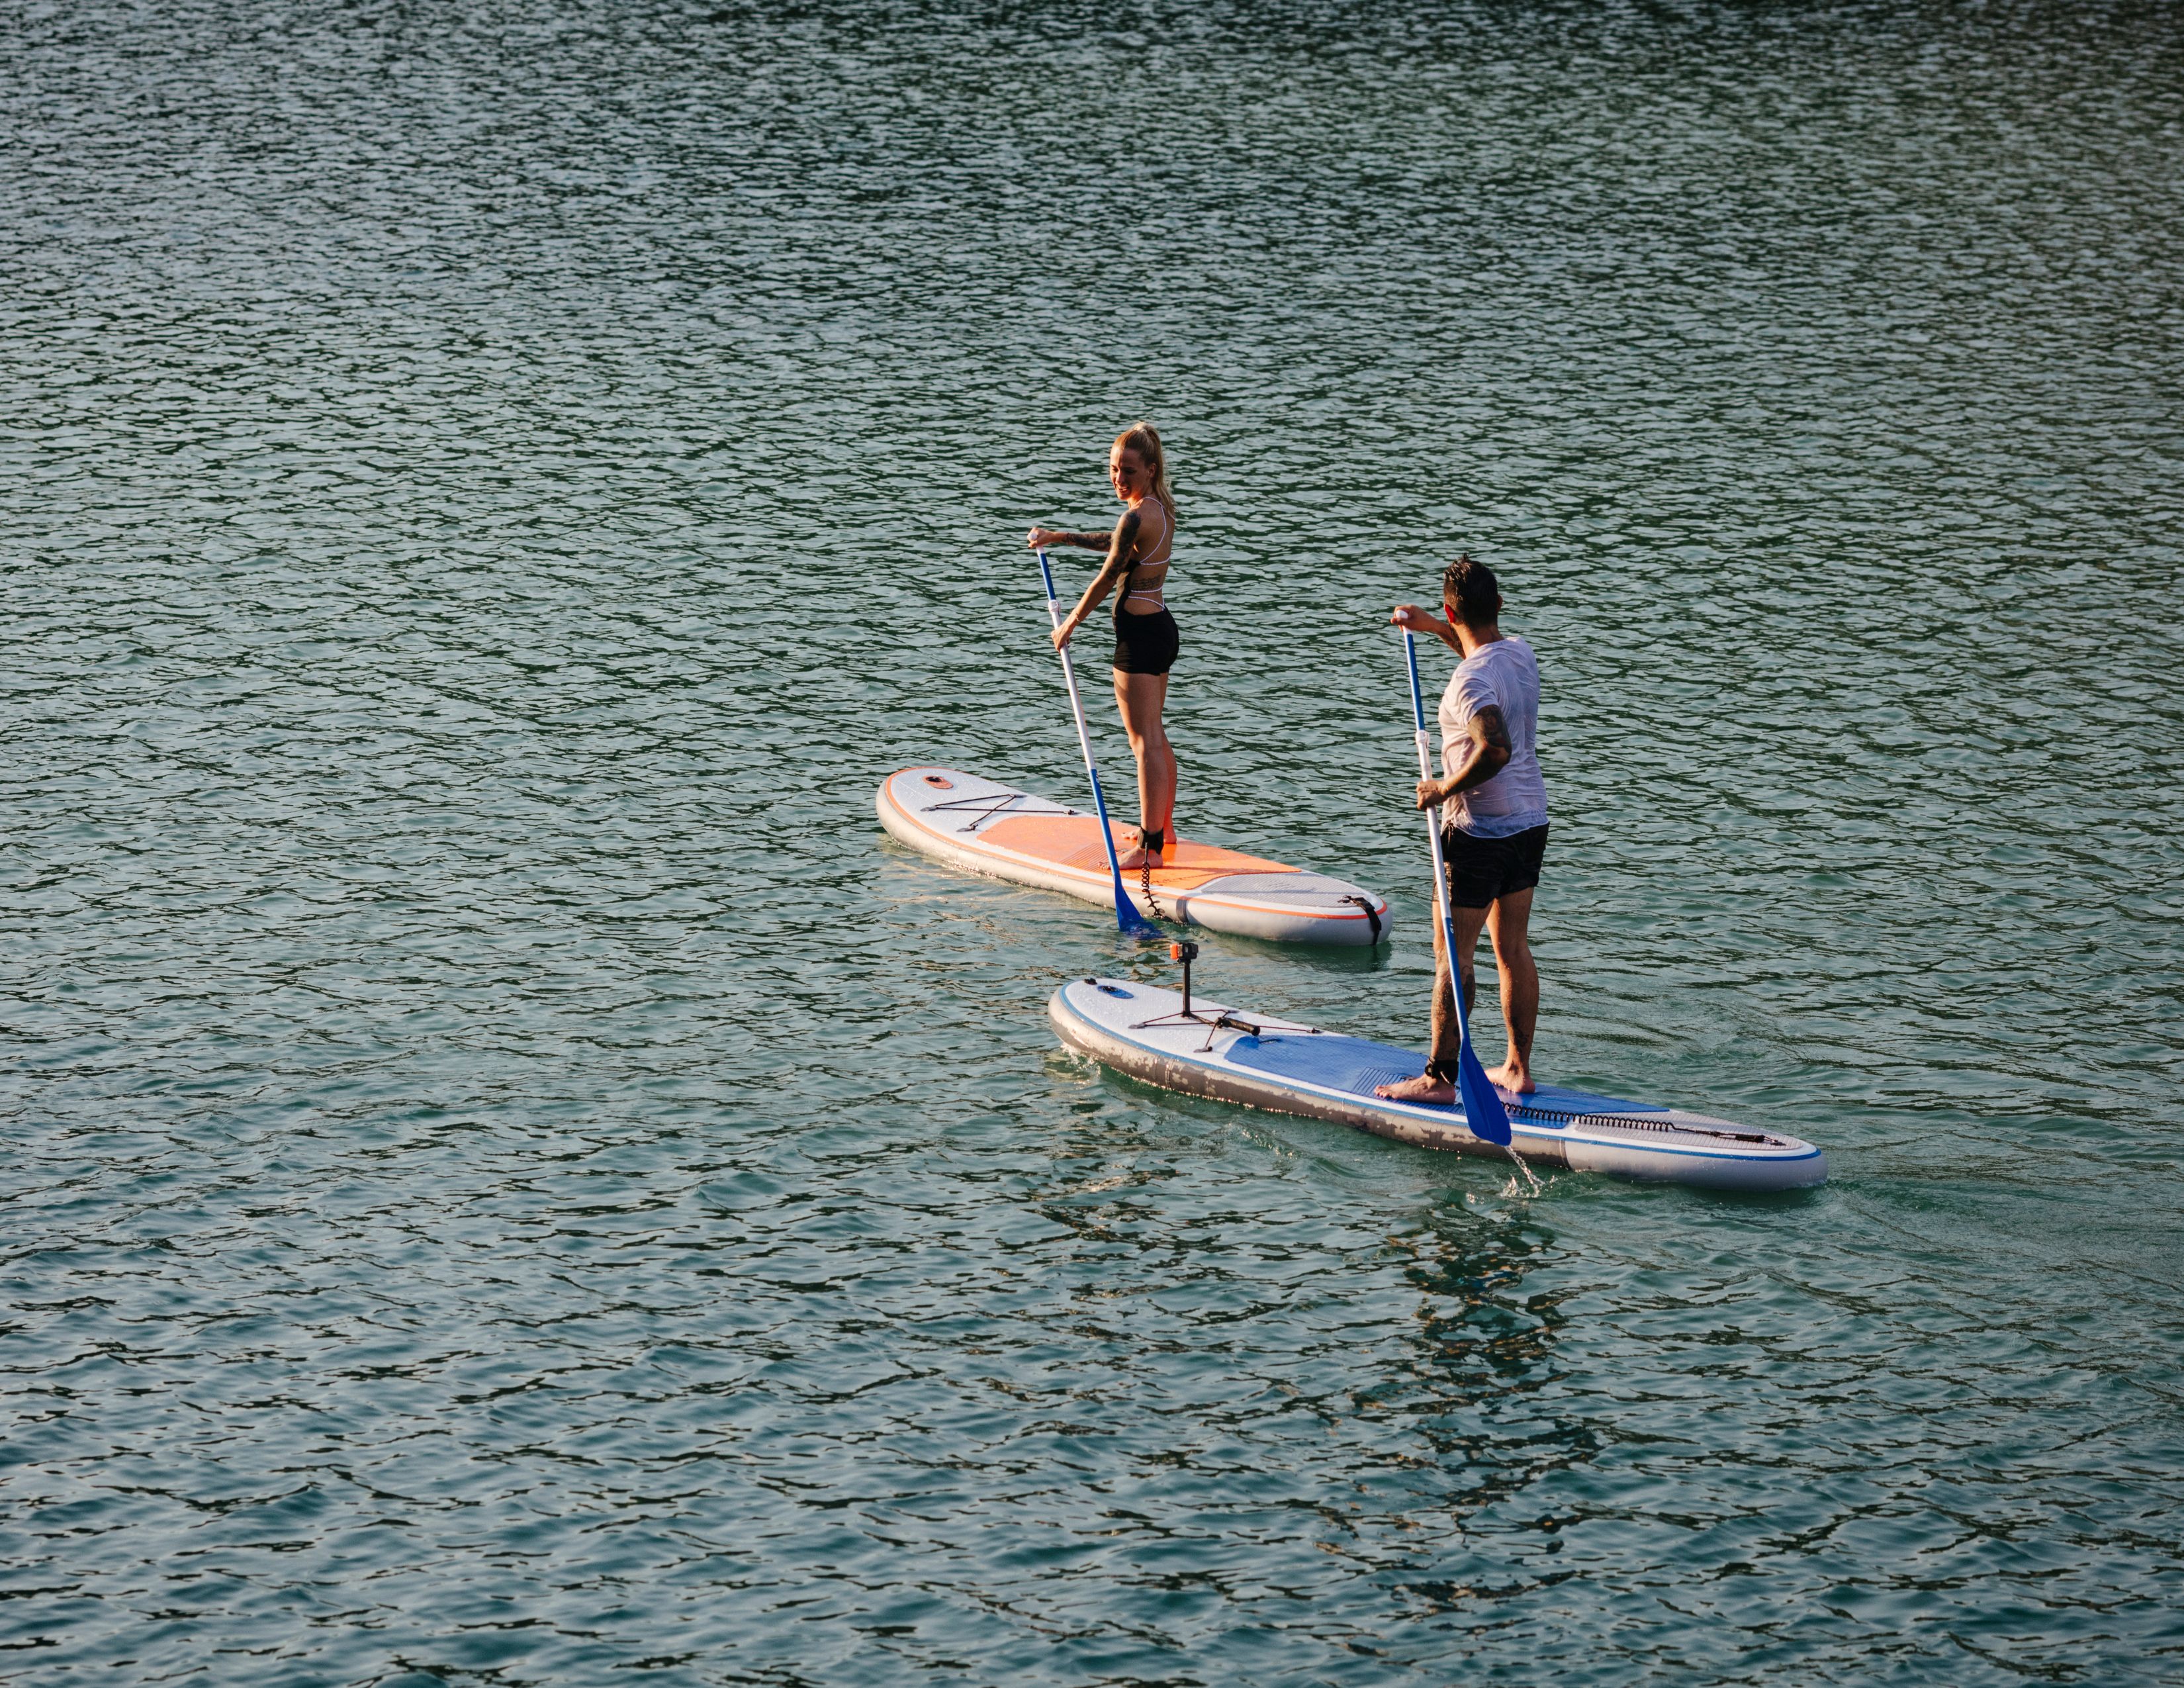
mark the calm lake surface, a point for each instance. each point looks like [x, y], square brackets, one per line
[511, 1178]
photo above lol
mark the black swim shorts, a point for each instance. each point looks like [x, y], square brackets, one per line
[1481, 869]
[1145, 644]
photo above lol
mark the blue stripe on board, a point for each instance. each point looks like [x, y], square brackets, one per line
[1355, 1064]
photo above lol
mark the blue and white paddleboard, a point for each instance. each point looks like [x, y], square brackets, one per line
[1264, 1062]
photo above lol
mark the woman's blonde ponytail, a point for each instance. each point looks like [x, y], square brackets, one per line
[1143, 438]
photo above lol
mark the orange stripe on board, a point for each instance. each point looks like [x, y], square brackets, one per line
[1072, 841]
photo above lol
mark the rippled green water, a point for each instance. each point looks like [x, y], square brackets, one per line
[512, 1179]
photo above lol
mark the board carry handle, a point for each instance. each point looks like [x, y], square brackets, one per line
[1131, 923]
[1482, 1103]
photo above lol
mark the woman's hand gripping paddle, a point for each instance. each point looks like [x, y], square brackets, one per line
[1482, 1104]
[1132, 924]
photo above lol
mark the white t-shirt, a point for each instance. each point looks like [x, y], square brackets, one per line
[1506, 675]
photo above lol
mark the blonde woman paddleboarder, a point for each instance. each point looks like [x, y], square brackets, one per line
[1145, 636]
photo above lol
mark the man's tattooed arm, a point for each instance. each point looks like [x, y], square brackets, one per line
[1486, 752]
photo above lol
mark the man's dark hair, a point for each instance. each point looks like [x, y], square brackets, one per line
[1477, 594]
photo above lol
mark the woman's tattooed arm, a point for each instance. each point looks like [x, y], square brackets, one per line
[1121, 551]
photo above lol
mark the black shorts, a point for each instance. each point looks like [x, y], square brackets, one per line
[1480, 869]
[1145, 644]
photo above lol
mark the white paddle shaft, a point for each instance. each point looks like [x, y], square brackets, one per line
[1069, 679]
[1441, 909]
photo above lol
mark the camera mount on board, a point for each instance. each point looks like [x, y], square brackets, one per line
[1184, 950]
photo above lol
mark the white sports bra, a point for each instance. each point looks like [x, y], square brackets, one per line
[1150, 595]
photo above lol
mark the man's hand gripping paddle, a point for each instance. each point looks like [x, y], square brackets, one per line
[1482, 1104]
[1132, 924]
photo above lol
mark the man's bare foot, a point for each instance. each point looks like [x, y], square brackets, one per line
[1425, 1088]
[1511, 1077]
[1134, 857]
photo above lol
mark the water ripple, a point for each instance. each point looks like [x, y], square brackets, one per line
[514, 1179]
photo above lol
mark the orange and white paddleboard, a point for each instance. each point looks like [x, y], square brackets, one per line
[984, 827]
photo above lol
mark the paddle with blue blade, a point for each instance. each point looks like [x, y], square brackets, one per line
[1483, 1111]
[1132, 924]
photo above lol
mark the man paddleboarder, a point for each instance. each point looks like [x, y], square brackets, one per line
[1494, 820]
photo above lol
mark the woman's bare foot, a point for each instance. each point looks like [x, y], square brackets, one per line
[1136, 856]
[1512, 1077]
[1425, 1088]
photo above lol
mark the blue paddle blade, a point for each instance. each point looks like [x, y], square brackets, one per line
[1482, 1103]
[1134, 924]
